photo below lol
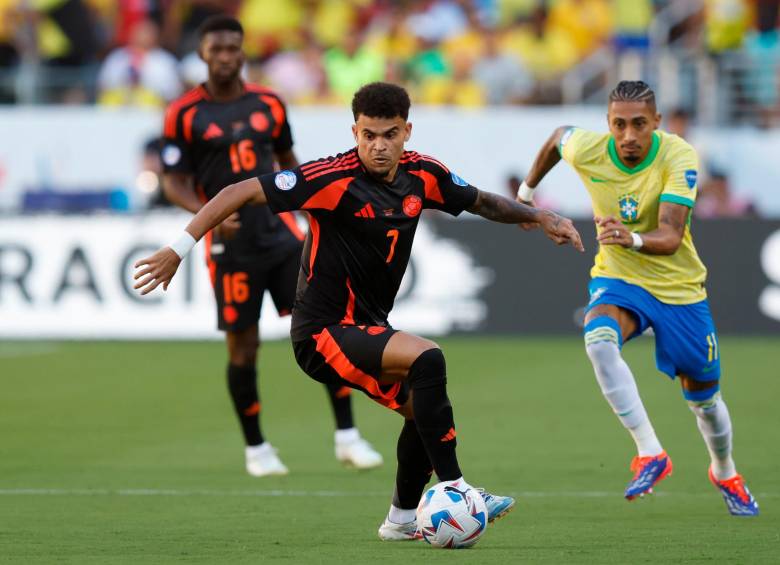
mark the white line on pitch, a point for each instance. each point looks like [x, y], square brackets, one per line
[312, 493]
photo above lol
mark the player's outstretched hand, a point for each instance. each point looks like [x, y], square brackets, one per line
[561, 230]
[158, 269]
[613, 232]
[528, 226]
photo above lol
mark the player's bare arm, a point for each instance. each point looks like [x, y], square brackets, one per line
[547, 157]
[226, 202]
[664, 240]
[160, 268]
[499, 209]
[545, 160]
[179, 189]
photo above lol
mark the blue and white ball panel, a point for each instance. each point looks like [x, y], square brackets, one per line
[686, 341]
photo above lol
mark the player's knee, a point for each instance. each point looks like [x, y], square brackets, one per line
[705, 406]
[243, 358]
[422, 345]
[428, 370]
[242, 348]
[243, 354]
[703, 396]
[603, 340]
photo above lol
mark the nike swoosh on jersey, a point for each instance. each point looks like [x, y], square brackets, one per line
[594, 179]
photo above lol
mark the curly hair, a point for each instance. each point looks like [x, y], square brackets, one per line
[381, 100]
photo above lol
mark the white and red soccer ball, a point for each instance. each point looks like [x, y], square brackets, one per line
[452, 515]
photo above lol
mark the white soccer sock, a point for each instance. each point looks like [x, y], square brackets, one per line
[255, 450]
[714, 422]
[346, 436]
[619, 388]
[401, 516]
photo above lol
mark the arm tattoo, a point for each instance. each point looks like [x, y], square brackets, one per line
[500, 209]
[672, 220]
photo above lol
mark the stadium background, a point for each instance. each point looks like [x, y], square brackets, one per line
[92, 427]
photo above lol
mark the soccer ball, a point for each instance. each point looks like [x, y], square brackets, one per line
[452, 515]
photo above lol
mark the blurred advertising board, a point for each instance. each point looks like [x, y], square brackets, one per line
[70, 277]
[538, 288]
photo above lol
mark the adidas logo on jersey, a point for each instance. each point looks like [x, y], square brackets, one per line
[213, 131]
[366, 211]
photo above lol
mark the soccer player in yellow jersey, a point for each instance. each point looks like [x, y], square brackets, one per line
[647, 274]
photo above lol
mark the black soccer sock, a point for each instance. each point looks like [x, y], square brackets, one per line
[341, 401]
[242, 384]
[433, 412]
[414, 468]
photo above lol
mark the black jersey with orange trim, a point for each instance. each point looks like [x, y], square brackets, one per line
[361, 232]
[221, 143]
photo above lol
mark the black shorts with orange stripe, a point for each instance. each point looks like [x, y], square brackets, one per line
[351, 356]
[240, 288]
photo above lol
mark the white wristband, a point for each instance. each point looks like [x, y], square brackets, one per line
[525, 192]
[183, 245]
[638, 243]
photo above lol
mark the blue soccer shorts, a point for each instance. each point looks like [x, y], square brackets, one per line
[685, 338]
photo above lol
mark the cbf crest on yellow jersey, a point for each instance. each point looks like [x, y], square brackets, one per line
[667, 174]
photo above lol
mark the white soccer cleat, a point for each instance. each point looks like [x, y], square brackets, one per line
[262, 461]
[390, 531]
[353, 451]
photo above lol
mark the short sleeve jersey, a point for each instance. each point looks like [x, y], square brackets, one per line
[361, 232]
[221, 143]
[633, 195]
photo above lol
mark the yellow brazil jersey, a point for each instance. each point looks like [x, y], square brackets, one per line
[667, 174]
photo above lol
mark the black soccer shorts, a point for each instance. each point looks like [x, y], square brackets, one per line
[351, 356]
[239, 289]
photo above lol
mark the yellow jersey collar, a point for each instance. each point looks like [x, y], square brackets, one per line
[646, 162]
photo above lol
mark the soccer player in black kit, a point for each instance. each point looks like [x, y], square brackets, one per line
[364, 205]
[219, 133]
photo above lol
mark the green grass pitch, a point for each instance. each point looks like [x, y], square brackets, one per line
[129, 453]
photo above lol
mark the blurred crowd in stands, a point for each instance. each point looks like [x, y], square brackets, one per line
[464, 53]
[467, 53]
